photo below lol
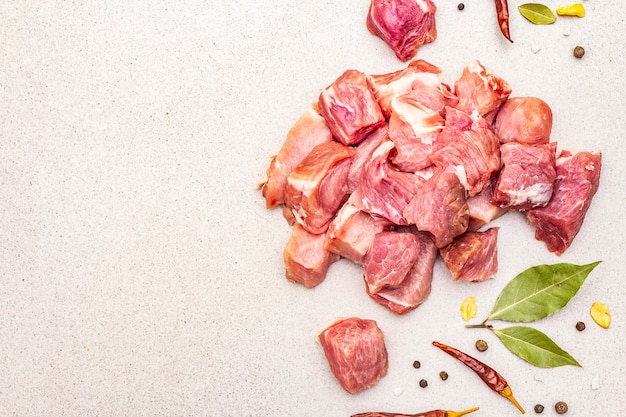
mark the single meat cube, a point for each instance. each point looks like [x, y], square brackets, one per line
[413, 128]
[416, 285]
[383, 190]
[468, 143]
[350, 108]
[481, 210]
[363, 155]
[577, 180]
[318, 186]
[473, 256]
[524, 120]
[404, 25]
[356, 352]
[389, 260]
[352, 232]
[419, 81]
[309, 131]
[306, 260]
[480, 90]
[440, 208]
[527, 176]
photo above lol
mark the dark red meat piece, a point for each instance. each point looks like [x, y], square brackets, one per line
[473, 256]
[524, 120]
[306, 260]
[356, 352]
[404, 25]
[577, 180]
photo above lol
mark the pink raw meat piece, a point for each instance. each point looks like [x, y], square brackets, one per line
[356, 352]
[577, 180]
[404, 25]
[318, 186]
[472, 256]
[363, 155]
[527, 176]
[389, 260]
[480, 90]
[524, 120]
[350, 108]
[306, 260]
[481, 210]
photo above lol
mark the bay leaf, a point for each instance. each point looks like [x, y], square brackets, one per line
[537, 13]
[539, 291]
[534, 347]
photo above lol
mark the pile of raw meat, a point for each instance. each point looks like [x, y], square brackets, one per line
[390, 171]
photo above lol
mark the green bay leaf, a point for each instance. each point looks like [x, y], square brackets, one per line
[539, 291]
[534, 347]
[537, 13]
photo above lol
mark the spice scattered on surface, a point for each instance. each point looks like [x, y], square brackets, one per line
[416, 364]
[423, 383]
[560, 407]
[468, 308]
[567, 30]
[537, 13]
[443, 375]
[397, 392]
[538, 408]
[461, 6]
[576, 9]
[580, 326]
[481, 345]
[600, 314]
[595, 383]
[535, 48]
[579, 51]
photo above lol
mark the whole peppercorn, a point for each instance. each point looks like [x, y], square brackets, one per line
[580, 326]
[560, 407]
[481, 345]
[538, 408]
[443, 375]
[423, 383]
[460, 6]
[579, 51]
[416, 364]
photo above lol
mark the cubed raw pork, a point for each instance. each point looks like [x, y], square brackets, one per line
[469, 144]
[481, 210]
[363, 155]
[416, 285]
[309, 131]
[577, 180]
[527, 176]
[318, 186]
[524, 120]
[383, 190]
[390, 259]
[352, 232]
[404, 25]
[480, 90]
[472, 256]
[440, 207]
[356, 352]
[306, 260]
[350, 108]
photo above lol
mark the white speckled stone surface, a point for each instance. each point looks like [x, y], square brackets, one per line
[140, 273]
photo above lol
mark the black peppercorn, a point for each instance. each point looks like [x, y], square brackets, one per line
[481, 345]
[416, 364]
[538, 408]
[579, 51]
[560, 407]
[580, 326]
[461, 6]
[443, 375]
[423, 383]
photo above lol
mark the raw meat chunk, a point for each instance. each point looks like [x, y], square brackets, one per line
[309, 131]
[350, 108]
[363, 155]
[383, 190]
[318, 186]
[480, 90]
[524, 120]
[356, 352]
[469, 144]
[352, 232]
[404, 25]
[419, 81]
[577, 180]
[473, 256]
[413, 128]
[306, 260]
[482, 210]
[389, 260]
[527, 176]
[416, 285]
[440, 208]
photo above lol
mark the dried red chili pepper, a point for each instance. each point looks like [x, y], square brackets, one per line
[433, 413]
[493, 379]
[502, 9]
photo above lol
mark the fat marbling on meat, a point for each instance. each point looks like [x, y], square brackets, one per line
[577, 180]
[525, 120]
[404, 25]
[306, 260]
[356, 352]
[472, 256]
